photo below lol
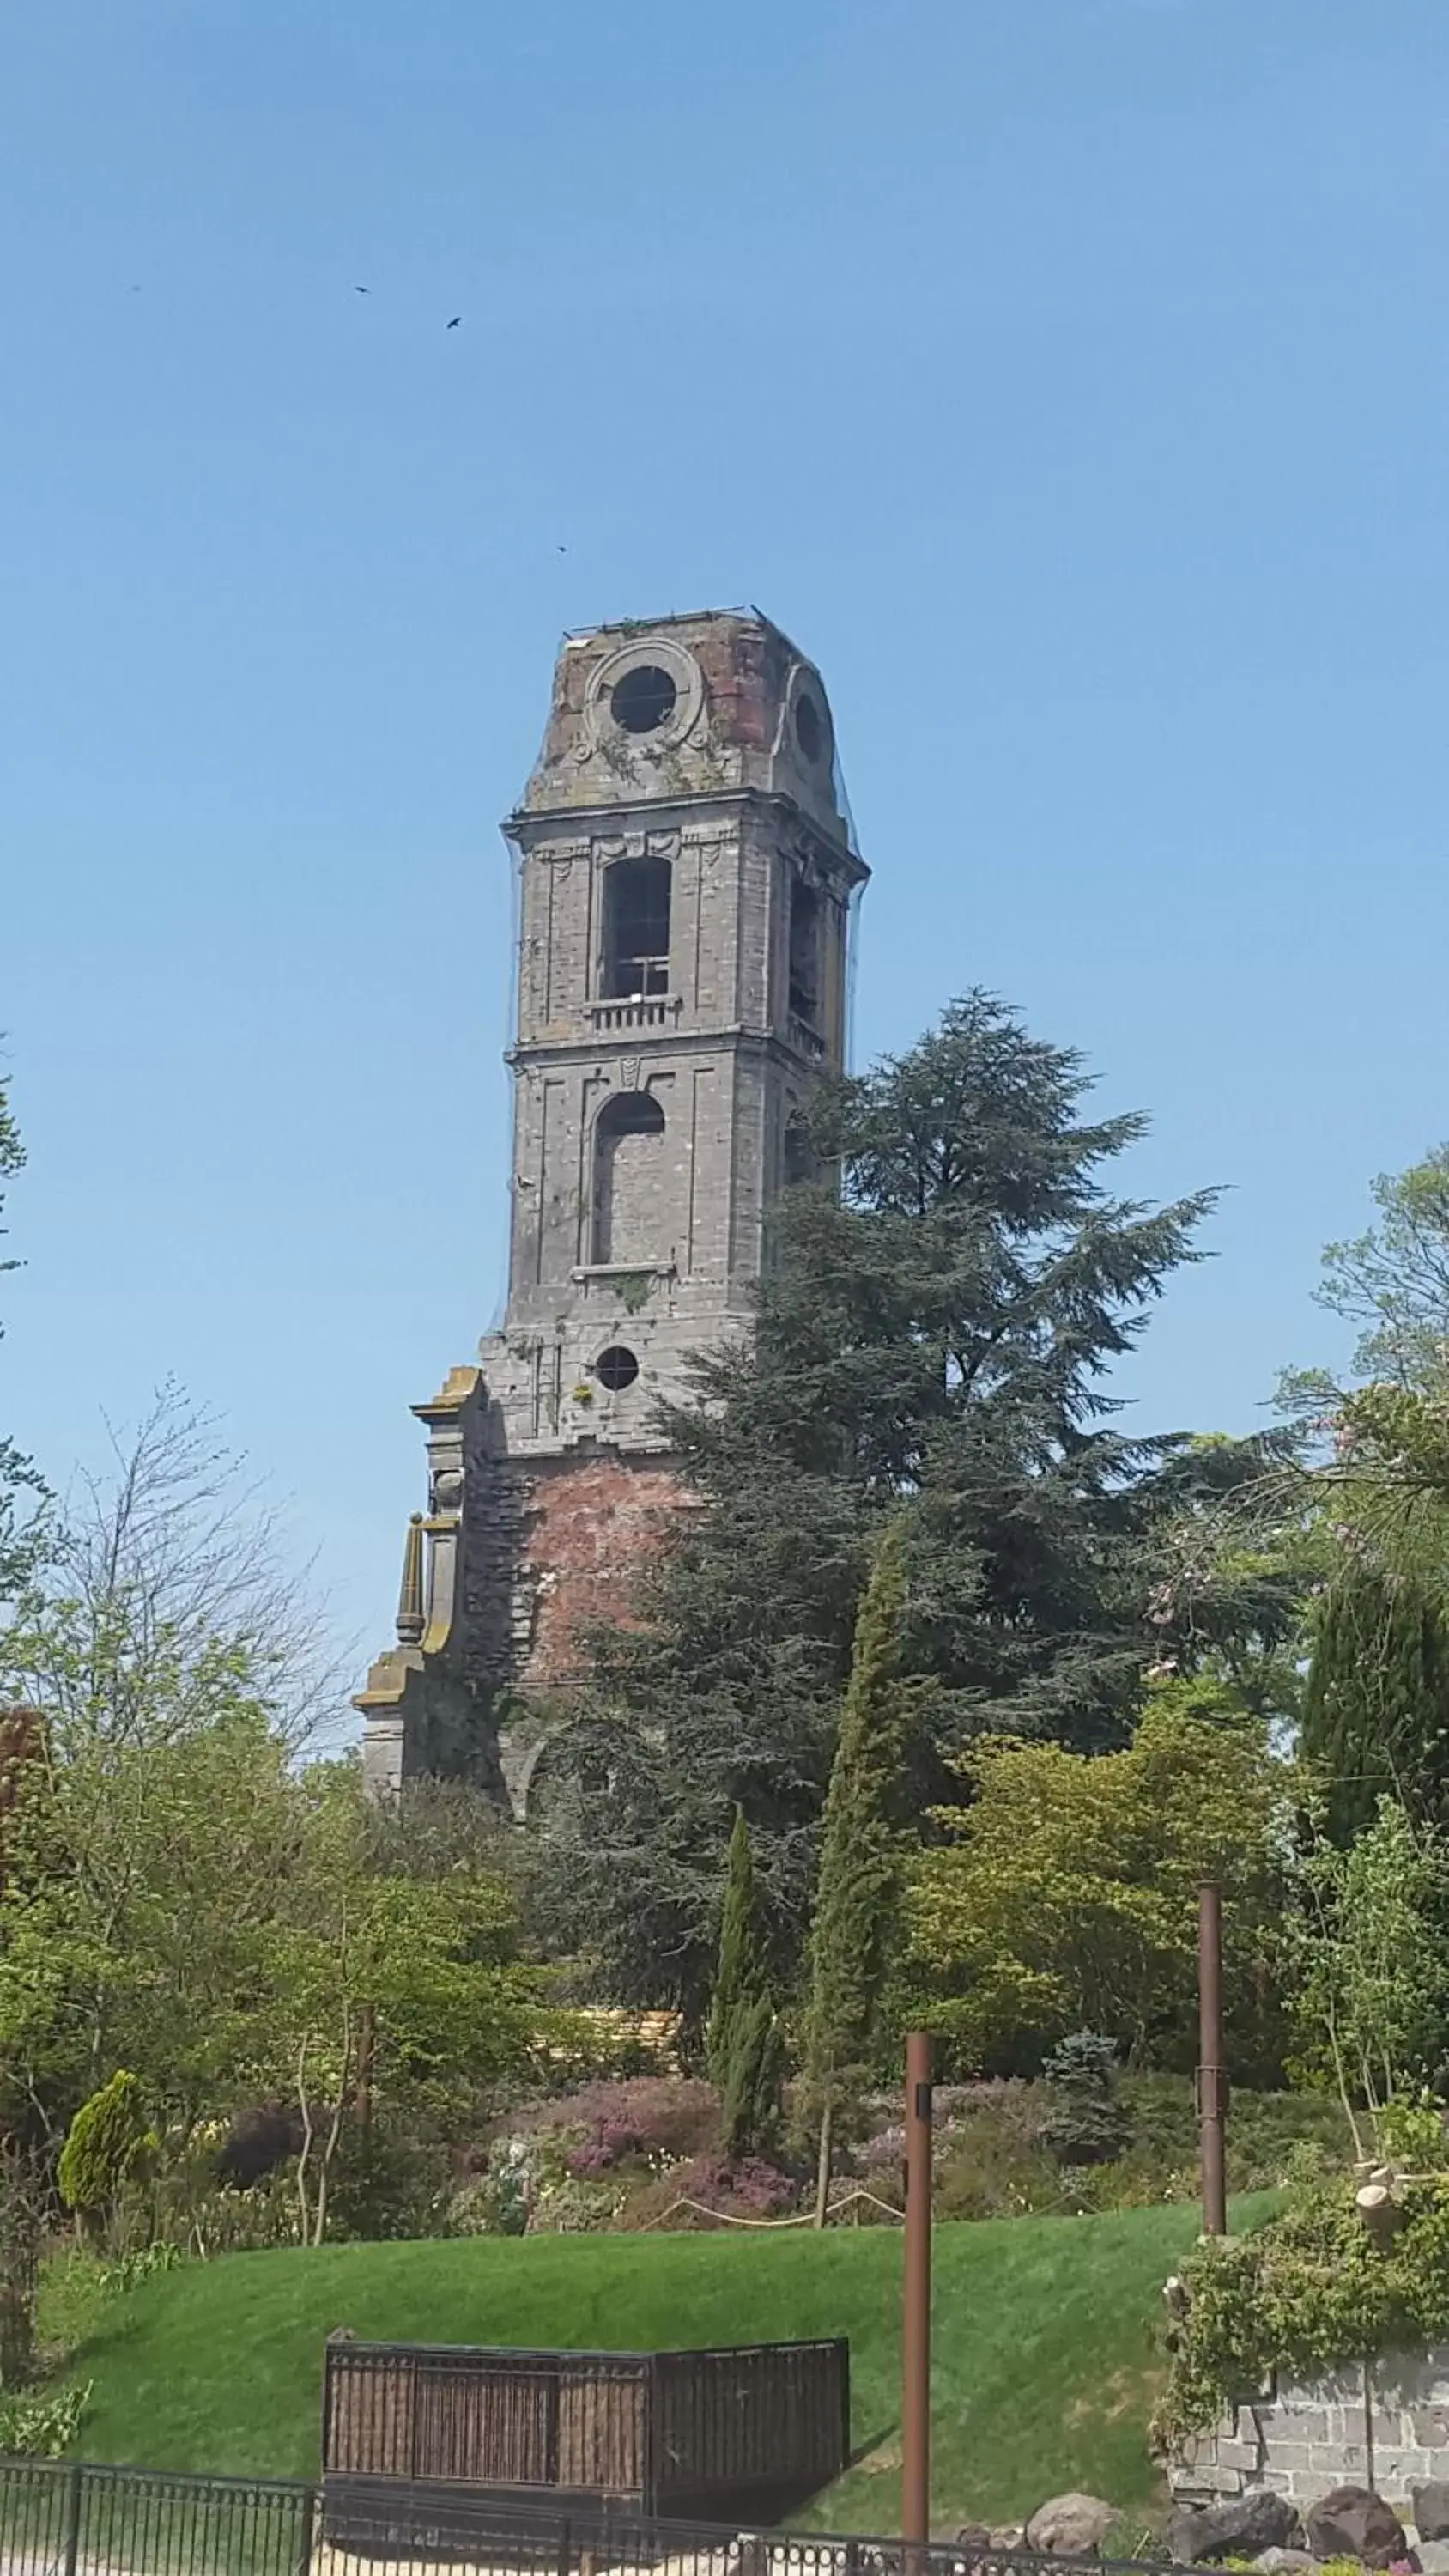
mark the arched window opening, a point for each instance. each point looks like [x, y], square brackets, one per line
[629, 1178]
[799, 1161]
[636, 929]
[804, 951]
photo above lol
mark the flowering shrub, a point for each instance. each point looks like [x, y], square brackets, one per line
[749, 2188]
[648, 2115]
[884, 2152]
[611, 2144]
[530, 2186]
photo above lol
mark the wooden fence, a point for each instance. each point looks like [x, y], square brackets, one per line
[753, 2430]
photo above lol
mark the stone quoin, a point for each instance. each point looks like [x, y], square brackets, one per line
[687, 875]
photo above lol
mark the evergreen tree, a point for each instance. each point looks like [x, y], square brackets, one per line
[1376, 1708]
[857, 1903]
[753, 2080]
[934, 1325]
[1084, 2122]
[743, 2053]
[739, 1977]
[107, 2144]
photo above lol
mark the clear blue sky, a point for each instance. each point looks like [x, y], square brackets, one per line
[1070, 377]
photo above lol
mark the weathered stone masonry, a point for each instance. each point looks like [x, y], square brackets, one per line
[1386, 2428]
[687, 874]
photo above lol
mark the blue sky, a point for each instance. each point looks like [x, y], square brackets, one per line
[1070, 377]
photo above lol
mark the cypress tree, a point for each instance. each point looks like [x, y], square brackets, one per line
[857, 1899]
[739, 1976]
[750, 2094]
[1376, 1707]
[743, 2054]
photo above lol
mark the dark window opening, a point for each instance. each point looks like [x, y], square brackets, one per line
[616, 1368]
[809, 731]
[799, 1161]
[804, 950]
[636, 928]
[644, 699]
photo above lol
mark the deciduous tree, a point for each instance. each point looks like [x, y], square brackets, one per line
[1066, 1896]
[1372, 1960]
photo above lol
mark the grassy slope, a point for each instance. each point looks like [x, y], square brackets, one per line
[1044, 2334]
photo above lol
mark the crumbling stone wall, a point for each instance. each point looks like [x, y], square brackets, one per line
[554, 1546]
[588, 1526]
[1386, 2427]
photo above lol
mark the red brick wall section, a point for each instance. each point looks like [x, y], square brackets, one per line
[589, 1523]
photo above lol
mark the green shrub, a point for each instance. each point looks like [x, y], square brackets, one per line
[108, 2142]
[129, 2270]
[992, 2138]
[37, 2427]
[1309, 2290]
[1084, 2122]
[1266, 2131]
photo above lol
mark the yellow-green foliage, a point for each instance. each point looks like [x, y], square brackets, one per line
[107, 2140]
[1067, 1895]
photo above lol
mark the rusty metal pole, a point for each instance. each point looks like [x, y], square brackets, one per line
[916, 2305]
[1212, 2086]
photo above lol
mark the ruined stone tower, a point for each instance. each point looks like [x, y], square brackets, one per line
[686, 876]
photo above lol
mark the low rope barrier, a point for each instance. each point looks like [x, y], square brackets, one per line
[804, 2218]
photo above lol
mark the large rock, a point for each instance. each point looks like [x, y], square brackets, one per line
[1431, 2509]
[1353, 2522]
[1070, 2526]
[1242, 2527]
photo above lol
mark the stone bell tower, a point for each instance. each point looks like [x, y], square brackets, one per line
[686, 872]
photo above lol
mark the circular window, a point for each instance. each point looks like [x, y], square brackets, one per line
[809, 730]
[616, 1368]
[644, 699]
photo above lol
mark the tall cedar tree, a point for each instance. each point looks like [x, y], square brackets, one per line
[857, 1903]
[1376, 1709]
[743, 2053]
[934, 1324]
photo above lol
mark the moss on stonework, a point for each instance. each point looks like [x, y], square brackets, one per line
[632, 1289]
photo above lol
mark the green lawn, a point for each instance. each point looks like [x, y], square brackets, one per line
[1045, 2343]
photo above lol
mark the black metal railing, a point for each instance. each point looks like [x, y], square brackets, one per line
[69, 2518]
[64, 2518]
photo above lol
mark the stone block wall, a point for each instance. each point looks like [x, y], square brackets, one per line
[1385, 2428]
